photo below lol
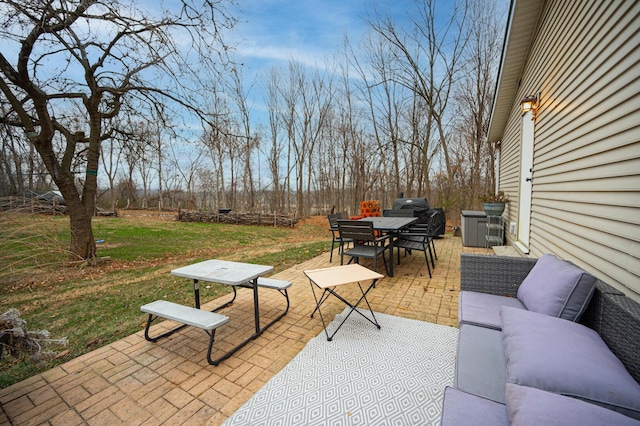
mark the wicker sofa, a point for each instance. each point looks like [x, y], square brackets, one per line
[527, 367]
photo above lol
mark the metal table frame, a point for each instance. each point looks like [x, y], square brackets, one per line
[328, 279]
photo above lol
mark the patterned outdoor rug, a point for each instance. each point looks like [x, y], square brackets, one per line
[365, 376]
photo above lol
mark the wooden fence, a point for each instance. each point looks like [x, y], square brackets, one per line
[266, 219]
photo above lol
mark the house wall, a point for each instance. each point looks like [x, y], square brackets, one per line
[584, 60]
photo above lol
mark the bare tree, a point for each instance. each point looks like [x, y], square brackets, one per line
[384, 98]
[275, 150]
[223, 150]
[308, 103]
[96, 56]
[145, 165]
[428, 64]
[248, 140]
[110, 154]
[13, 163]
[473, 97]
[186, 165]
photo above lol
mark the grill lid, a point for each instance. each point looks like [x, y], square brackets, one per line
[420, 207]
[419, 204]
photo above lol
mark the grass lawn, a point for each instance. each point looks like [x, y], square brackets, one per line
[95, 305]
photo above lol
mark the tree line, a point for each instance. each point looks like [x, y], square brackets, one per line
[404, 110]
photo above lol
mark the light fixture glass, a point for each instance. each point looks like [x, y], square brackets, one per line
[529, 103]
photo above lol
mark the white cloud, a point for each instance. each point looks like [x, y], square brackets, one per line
[306, 31]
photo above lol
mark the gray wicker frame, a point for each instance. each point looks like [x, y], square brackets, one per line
[615, 317]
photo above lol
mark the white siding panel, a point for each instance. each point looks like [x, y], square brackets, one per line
[620, 119]
[629, 267]
[626, 184]
[568, 246]
[590, 171]
[592, 77]
[585, 63]
[623, 146]
[605, 199]
[614, 117]
[620, 235]
[510, 167]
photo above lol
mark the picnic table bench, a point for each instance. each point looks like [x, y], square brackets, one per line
[186, 315]
[209, 321]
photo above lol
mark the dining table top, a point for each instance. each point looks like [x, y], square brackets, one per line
[390, 224]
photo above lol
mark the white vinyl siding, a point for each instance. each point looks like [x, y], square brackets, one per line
[584, 60]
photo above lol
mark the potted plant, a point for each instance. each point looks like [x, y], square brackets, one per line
[494, 203]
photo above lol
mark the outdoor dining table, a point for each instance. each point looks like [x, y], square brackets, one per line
[236, 274]
[390, 225]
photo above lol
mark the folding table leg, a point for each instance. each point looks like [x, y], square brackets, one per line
[354, 309]
[317, 308]
[325, 295]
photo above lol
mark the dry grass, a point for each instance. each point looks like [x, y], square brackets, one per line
[93, 306]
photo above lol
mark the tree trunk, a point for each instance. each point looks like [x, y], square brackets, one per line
[83, 245]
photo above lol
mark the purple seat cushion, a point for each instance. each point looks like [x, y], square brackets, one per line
[461, 408]
[533, 407]
[483, 309]
[557, 288]
[568, 358]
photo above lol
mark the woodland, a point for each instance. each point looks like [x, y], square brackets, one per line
[119, 107]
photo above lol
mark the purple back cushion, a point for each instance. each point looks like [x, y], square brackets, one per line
[568, 358]
[533, 407]
[557, 288]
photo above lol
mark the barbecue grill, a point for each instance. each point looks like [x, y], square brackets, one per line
[420, 207]
[422, 211]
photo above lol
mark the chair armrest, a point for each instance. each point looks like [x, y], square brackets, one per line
[420, 227]
[382, 238]
[418, 237]
[499, 275]
[412, 233]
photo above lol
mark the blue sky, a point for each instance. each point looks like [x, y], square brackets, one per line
[273, 31]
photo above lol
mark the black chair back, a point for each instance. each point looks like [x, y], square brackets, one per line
[432, 224]
[333, 221]
[357, 230]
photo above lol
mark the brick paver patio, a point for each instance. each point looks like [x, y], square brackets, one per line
[136, 382]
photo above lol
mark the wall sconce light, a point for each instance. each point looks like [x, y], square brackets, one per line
[530, 103]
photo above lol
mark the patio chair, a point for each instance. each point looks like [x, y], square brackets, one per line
[365, 242]
[432, 229]
[419, 237]
[335, 233]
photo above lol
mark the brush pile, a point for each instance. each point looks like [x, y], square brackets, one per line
[17, 341]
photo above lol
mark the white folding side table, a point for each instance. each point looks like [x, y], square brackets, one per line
[327, 279]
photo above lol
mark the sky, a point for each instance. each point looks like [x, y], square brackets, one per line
[271, 32]
[274, 32]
